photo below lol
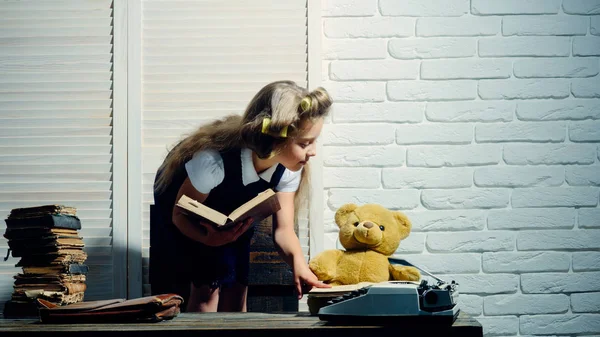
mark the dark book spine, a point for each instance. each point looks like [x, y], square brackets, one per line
[77, 268]
[26, 243]
[46, 221]
[28, 211]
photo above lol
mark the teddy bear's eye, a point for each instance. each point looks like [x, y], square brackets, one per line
[356, 224]
[382, 228]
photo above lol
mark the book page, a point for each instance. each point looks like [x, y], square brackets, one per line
[258, 208]
[201, 210]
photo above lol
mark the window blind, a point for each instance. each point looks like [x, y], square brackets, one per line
[56, 123]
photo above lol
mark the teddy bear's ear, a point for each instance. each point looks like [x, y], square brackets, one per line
[343, 212]
[404, 223]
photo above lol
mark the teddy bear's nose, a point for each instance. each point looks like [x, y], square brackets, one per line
[368, 224]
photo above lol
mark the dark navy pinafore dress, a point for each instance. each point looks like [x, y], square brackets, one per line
[176, 260]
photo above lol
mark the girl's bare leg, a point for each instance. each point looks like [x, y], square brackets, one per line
[233, 298]
[203, 299]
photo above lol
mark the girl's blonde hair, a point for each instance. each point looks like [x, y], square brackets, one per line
[286, 104]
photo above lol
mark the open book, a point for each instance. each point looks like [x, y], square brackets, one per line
[335, 291]
[258, 208]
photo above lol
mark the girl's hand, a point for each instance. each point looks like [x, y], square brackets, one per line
[217, 237]
[304, 279]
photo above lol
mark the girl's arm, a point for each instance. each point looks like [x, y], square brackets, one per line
[288, 244]
[284, 235]
[185, 225]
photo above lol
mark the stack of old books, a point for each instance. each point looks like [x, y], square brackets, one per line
[52, 257]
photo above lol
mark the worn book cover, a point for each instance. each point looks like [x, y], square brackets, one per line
[53, 269]
[45, 221]
[258, 208]
[62, 257]
[67, 288]
[61, 298]
[33, 232]
[31, 246]
[58, 241]
[145, 309]
[53, 296]
[46, 250]
[22, 279]
[27, 212]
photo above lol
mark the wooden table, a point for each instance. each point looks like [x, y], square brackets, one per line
[235, 325]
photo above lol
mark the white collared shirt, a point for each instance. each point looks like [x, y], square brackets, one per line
[206, 171]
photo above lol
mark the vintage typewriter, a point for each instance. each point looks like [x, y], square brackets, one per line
[396, 302]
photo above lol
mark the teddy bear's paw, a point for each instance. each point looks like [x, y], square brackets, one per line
[406, 274]
[320, 272]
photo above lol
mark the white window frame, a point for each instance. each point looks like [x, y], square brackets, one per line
[134, 147]
[316, 206]
[119, 164]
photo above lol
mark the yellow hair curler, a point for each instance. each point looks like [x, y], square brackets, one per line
[265, 129]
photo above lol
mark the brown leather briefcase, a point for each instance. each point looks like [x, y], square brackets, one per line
[146, 309]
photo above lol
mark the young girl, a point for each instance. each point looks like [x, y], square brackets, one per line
[223, 165]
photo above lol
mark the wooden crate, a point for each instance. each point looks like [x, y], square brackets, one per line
[270, 281]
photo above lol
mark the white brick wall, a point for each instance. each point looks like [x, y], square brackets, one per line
[480, 119]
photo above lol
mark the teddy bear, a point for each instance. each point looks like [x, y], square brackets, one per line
[370, 234]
